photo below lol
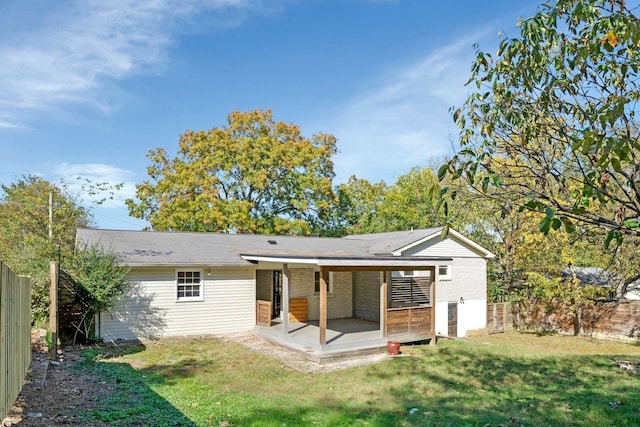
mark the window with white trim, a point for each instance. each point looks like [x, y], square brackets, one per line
[189, 285]
[444, 272]
[328, 278]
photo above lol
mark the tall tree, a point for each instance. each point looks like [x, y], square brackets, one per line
[560, 101]
[491, 216]
[359, 202]
[30, 238]
[254, 175]
[412, 202]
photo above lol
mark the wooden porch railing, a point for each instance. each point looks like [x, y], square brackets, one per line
[410, 322]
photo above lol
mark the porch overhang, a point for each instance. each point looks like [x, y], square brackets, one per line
[353, 263]
[333, 263]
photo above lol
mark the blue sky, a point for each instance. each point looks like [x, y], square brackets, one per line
[88, 87]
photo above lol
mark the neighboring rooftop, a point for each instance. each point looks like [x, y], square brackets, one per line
[591, 276]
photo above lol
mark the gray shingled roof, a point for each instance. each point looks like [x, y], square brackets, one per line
[386, 243]
[591, 276]
[156, 248]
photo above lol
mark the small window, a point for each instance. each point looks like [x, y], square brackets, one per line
[444, 272]
[328, 278]
[408, 273]
[189, 286]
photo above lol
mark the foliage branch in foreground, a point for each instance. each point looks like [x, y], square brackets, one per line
[558, 103]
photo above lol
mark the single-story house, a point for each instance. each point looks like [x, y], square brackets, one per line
[405, 286]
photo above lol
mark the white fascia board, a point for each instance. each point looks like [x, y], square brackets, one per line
[472, 244]
[283, 260]
[406, 262]
[380, 263]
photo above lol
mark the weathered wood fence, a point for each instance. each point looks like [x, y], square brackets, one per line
[15, 335]
[619, 319]
[499, 317]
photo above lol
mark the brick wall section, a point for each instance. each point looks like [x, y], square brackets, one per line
[300, 282]
[366, 293]
[339, 302]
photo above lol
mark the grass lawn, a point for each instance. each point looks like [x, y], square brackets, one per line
[503, 379]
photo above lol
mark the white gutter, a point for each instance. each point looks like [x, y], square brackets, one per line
[390, 261]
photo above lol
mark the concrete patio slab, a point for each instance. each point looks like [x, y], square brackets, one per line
[346, 338]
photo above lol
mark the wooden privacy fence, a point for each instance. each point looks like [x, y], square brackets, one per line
[15, 335]
[616, 319]
[499, 317]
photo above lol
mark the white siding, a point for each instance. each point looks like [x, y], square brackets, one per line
[468, 280]
[449, 248]
[150, 309]
[471, 316]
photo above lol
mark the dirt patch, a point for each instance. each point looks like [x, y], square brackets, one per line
[54, 394]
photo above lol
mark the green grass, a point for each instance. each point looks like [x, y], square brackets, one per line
[502, 379]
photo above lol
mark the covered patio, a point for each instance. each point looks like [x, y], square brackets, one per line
[397, 319]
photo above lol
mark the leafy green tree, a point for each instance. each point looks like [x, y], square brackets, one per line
[513, 234]
[254, 175]
[559, 101]
[100, 281]
[360, 201]
[30, 238]
[411, 202]
[559, 298]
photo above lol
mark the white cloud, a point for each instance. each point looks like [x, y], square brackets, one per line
[8, 125]
[405, 120]
[83, 46]
[77, 175]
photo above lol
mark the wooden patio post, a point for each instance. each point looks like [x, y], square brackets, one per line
[433, 305]
[383, 303]
[323, 309]
[54, 269]
[285, 298]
